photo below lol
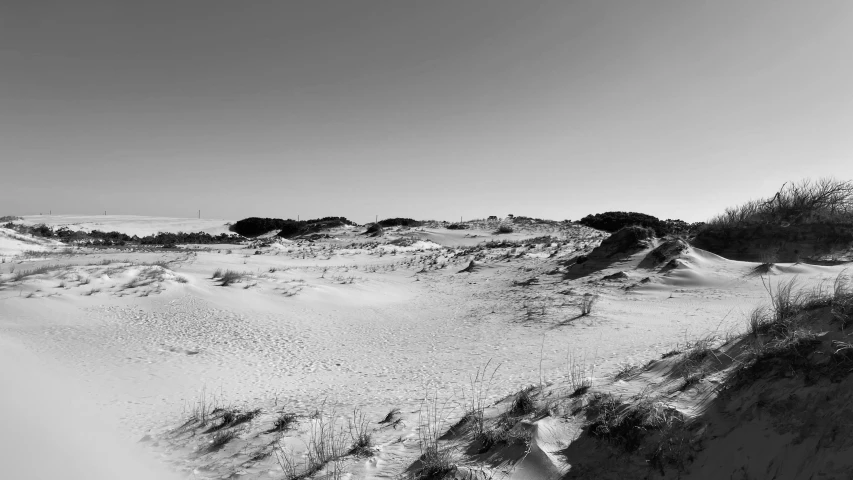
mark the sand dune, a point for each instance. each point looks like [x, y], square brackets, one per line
[349, 326]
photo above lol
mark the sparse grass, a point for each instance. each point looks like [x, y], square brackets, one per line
[326, 440]
[181, 279]
[784, 355]
[522, 402]
[41, 269]
[842, 300]
[625, 424]
[785, 301]
[231, 417]
[200, 411]
[283, 422]
[578, 373]
[691, 366]
[587, 301]
[479, 387]
[229, 277]
[783, 336]
[362, 441]
[287, 461]
[391, 417]
[758, 322]
[325, 446]
[436, 460]
[504, 431]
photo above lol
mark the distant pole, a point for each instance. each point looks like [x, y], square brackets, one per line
[199, 214]
[377, 219]
[105, 213]
[297, 217]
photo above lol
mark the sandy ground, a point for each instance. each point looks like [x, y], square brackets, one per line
[350, 321]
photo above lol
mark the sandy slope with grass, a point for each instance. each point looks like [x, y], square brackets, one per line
[205, 352]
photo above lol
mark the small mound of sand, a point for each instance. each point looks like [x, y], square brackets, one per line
[664, 253]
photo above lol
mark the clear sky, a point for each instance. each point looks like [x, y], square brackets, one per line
[429, 109]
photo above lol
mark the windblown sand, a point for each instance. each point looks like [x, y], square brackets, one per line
[346, 320]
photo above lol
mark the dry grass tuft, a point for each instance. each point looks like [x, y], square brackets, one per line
[587, 301]
[436, 460]
[522, 402]
[362, 441]
[283, 422]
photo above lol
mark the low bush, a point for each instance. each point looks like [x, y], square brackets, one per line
[400, 222]
[255, 226]
[826, 200]
[614, 221]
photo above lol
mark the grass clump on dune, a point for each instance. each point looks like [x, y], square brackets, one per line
[790, 336]
[522, 402]
[436, 460]
[826, 200]
[362, 440]
[284, 421]
[227, 277]
[41, 269]
[626, 424]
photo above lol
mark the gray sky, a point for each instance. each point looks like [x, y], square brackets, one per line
[430, 109]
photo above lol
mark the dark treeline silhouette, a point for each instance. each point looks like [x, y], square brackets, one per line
[399, 222]
[254, 226]
[99, 238]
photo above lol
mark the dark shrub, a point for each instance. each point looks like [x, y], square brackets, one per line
[400, 222]
[254, 226]
[308, 227]
[613, 221]
[42, 231]
[374, 230]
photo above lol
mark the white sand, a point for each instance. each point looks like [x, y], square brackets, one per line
[357, 326]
